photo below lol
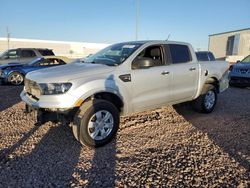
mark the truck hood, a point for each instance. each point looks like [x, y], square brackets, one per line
[68, 72]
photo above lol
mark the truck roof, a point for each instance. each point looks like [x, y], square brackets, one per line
[156, 41]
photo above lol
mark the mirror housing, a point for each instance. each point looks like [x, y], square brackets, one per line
[238, 61]
[142, 63]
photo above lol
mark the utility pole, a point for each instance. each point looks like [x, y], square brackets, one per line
[8, 38]
[137, 20]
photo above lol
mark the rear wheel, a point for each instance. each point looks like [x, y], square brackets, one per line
[15, 78]
[207, 100]
[96, 123]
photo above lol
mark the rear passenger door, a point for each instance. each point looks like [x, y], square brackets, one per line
[184, 72]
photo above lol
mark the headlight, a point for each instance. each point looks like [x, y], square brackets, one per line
[54, 88]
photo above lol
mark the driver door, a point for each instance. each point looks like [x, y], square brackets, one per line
[151, 86]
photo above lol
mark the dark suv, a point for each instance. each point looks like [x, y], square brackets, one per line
[24, 55]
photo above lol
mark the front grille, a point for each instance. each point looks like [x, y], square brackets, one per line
[32, 88]
[240, 79]
[242, 71]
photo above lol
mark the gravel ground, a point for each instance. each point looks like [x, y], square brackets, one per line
[167, 147]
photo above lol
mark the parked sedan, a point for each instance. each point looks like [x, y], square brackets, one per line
[240, 73]
[14, 73]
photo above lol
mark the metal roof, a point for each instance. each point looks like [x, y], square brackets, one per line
[230, 32]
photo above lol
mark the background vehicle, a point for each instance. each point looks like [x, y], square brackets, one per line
[205, 56]
[122, 79]
[240, 73]
[14, 73]
[23, 55]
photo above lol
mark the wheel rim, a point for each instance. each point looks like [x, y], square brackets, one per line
[209, 99]
[100, 125]
[16, 79]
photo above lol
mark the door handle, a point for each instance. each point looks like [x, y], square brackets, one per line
[165, 72]
[192, 68]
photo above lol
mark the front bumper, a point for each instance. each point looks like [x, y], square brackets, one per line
[240, 81]
[63, 102]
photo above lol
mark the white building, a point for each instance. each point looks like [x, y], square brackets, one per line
[63, 48]
[231, 45]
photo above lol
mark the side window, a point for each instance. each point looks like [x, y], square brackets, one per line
[45, 52]
[12, 54]
[154, 53]
[27, 53]
[53, 61]
[179, 53]
[61, 62]
[211, 56]
[44, 62]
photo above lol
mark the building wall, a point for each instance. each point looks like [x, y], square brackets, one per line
[69, 49]
[218, 43]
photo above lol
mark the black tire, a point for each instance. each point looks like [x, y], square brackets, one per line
[16, 78]
[201, 104]
[87, 112]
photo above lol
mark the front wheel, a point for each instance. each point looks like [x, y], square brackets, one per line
[96, 123]
[16, 78]
[207, 100]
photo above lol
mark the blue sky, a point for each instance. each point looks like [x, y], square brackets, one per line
[110, 21]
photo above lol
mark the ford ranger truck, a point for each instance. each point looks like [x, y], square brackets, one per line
[122, 79]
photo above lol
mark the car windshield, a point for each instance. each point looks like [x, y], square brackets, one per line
[246, 59]
[35, 61]
[114, 55]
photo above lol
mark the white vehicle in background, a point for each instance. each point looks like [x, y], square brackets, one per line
[122, 79]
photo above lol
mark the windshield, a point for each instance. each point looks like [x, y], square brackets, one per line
[35, 61]
[246, 60]
[114, 54]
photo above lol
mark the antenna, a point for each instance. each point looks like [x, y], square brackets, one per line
[137, 20]
[8, 37]
[168, 37]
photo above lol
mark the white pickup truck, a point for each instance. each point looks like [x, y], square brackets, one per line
[122, 79]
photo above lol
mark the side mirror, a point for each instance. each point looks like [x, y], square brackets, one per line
[142, 63]
[238, 61]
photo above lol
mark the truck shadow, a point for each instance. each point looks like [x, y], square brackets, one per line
[50, 164]
[9, 96]
[227, 130]
[54, 161]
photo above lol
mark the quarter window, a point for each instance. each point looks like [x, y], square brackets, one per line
[179, 53]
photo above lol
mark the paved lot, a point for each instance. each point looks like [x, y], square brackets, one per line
[165, 147]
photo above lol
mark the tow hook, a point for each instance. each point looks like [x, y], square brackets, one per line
[28, 109]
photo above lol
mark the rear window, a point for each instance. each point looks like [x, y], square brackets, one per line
[46, 52]
[179, 53]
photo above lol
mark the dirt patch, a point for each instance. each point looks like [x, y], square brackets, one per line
[171, 146]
